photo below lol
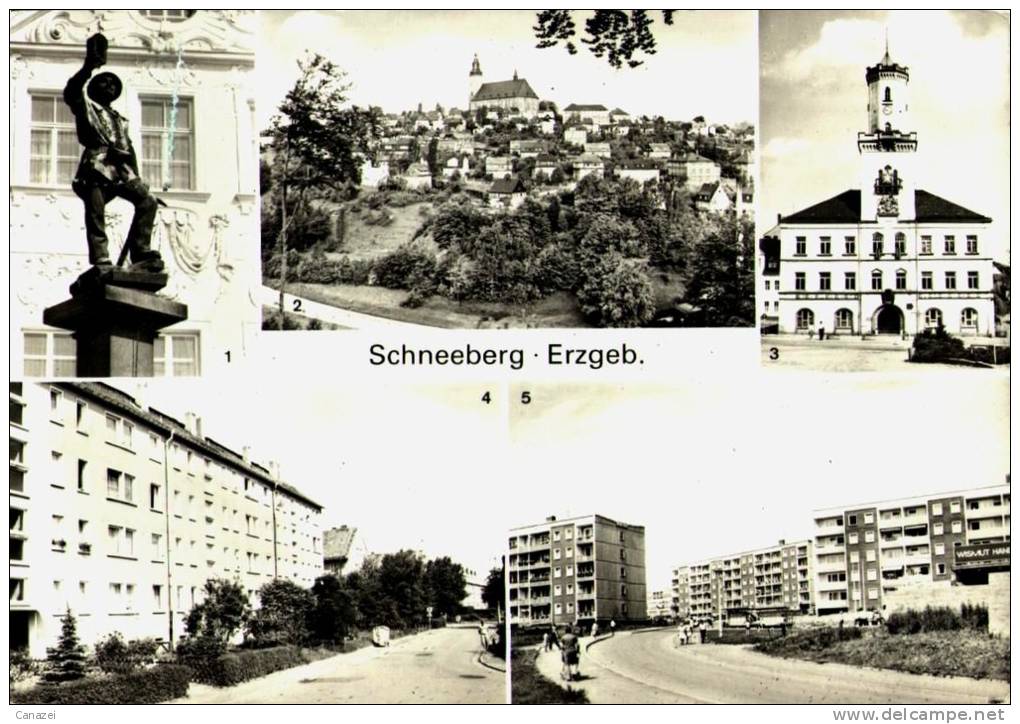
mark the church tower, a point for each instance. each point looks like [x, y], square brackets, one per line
[888, 147]
[474, 79]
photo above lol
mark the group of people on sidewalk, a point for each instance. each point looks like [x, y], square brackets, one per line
[690, 631]
[569, 644]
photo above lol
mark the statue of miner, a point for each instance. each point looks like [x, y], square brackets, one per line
[108, 166]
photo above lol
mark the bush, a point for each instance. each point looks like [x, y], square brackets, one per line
[405, 268]
[616, 294]
[160, 683]
[941, 618]
[235, 667]
[799, 643]
[22, 666]
[937, 345]
[112, 655]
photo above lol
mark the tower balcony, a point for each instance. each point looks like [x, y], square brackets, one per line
[888, 140]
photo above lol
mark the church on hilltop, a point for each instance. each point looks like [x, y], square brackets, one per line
[506, 95]
[884, 257]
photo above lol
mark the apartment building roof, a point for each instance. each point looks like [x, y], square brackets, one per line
[763, 549]
[845, 208]
[1000, 489]
[126, 404]
[553, 520]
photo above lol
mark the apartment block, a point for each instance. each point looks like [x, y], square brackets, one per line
[776, 579]
[121, 513]
[866, 551]
[576, 570]
[659, 604]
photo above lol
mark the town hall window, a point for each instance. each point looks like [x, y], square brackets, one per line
[888, 95]
[901, 279]
[876, 244]
[969, 318]
[801, 247]
[926, 280]
[805, 319]
[825, 246]
[926, 245]
[824, 281]
[799, 280]
[972, 245]
[850, 281]
[933, 318]
[972, 280]
[950, 247]
[901, 243]
[844, 319]
[876, 280]
[950, 280]
[849, 246]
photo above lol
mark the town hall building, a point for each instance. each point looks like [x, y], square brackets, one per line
[506, 95]
[886, 257]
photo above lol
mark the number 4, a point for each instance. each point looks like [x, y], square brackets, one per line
[486, 398]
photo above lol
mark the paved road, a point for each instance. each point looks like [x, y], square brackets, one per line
[851, 354]
[328, 313]
[436, 667]
[646, 668]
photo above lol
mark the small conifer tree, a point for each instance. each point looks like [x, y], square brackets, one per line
[65, 662]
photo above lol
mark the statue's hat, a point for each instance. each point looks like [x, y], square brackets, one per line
[119, 86]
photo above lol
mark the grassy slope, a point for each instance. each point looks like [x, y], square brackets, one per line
[527, 686]
[943, 653]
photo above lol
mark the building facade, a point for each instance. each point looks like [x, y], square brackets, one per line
[120, 514]
[659, 604]
[776, 579]
[189, 100]
[576, 570]
[886, 257]
[866, 552]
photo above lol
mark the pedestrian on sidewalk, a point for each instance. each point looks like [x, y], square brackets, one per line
[821, 331]
[612, 627]
[571, 655]
[702, 631]
[594, 629]
[546, 646]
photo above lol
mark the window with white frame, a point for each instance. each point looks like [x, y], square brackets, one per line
[805, 319]
[825, 246]
[49, 354]
[824, 281]
[972, 244]
[54, 152]
[926, 245]
[167, 132]
[926, 280]
[876, 280]
[844, 319]
[876, 244]
[901, 279]
[969, 318]
[801, 246]
[850, 281]
[950, 245]
[972, 280]
[950, 280]
[122, 540]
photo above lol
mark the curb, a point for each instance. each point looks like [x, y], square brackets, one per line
[482, 655]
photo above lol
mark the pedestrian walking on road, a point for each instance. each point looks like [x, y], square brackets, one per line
[571, 654]
[702, 631]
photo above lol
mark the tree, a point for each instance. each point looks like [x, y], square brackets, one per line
[494, 591]
[222, 614]
[283, 615]
[333, 613]
[616, 294]
[721, 274]
[66, 661]
[316, 128]
[445, 585]
[401, 576]
[614, 34]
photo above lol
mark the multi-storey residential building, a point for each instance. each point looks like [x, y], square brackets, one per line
[659, 604]
[576, 570]
[188, 96]
[694, 170]
[886, 257]
[121, 513]
[775, 579]
[864, 552]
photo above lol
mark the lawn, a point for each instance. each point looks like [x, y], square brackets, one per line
[370, 241]
[528, 686]
[938, 653]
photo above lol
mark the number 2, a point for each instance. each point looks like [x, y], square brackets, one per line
[297, 305]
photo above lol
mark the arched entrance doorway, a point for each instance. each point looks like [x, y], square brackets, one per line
[889, 319]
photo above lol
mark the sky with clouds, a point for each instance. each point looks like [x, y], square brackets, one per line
[705, 64]
[814, 101]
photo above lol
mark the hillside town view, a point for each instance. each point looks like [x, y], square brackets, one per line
[517, 207]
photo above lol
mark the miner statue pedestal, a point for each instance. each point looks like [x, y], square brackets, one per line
[114, 311]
